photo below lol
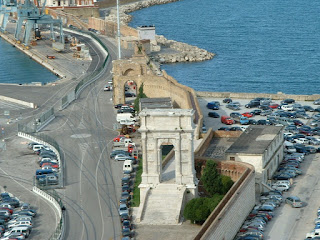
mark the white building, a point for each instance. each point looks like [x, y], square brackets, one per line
[261, 146]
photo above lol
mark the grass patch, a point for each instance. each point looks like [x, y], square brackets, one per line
[136, 191]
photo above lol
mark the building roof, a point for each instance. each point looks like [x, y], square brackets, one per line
[153, 103]
[255, 140]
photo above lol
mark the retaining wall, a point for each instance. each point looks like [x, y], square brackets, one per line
[109, 28]
[225, 221]
[278, 96]
[17, 101]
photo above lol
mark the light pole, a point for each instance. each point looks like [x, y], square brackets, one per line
[118, 23]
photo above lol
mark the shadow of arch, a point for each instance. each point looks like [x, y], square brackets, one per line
[129, 72]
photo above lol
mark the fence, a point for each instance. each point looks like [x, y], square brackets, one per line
[54, 198]
[88, 79]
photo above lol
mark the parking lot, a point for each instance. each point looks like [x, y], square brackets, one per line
[17, 169]
[288, 222]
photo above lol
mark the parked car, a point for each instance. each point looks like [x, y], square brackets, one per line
[294, 201]
[213, 115]
[232, 106]
[213, 105]
[316, 102]
[227, 100]
[123, 157]
[123, 209]
[288, 101]
[129, 94]
[252, 104]
[274, 105]
[280, 187]
[118, 151]
[247, 114]
[256, 111]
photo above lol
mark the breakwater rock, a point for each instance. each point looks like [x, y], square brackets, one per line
[127, 8]
[182, 52]
[179, 52]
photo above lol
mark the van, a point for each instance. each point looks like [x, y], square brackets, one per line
[23, 230]
[227, 120]
[127, 167]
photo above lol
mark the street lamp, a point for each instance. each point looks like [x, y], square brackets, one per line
[118, 23]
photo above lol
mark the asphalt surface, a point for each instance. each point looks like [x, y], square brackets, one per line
[84, 131]
[17, 168]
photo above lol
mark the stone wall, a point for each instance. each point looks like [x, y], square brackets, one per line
[109, 28]
[239, 200]
[234, 207]
[278, 96]
[155, 86]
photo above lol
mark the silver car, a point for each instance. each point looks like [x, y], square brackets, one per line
[294, 201]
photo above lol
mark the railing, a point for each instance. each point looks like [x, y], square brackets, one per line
[54, 198]
[90, 78]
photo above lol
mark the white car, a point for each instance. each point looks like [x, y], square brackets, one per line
[282, 182]
[301, 141]
[19, 223]
[280, 187]
[49, 167]
[287, 107]
[288, 134]
[290, 149]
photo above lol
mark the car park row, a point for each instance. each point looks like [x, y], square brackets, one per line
[49, 164]
[125, 150]
[284, 113]
[299, 138]
[16, 218]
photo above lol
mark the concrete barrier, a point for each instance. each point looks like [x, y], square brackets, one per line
[88, 36]
[17, 101]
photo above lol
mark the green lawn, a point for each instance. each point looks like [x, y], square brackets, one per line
[136, 191]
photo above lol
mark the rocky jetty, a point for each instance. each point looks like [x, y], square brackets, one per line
[183, 52]
[180, 52]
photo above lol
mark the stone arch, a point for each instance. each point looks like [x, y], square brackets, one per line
[179, 131]
[129, 72]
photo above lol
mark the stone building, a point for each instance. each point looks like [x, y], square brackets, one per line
[262, 147]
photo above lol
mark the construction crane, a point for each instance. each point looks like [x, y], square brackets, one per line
[31, 17]
[6, 7]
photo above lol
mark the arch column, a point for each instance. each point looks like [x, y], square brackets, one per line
[177, 152]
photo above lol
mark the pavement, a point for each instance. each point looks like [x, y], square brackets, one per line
[17, 169]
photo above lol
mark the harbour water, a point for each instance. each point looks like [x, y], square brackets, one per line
[18, 68]
[265, 46]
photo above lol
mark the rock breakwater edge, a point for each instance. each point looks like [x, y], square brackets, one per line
[178, 51]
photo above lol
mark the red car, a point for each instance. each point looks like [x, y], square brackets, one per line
[274, 106]
[8, 209]
[247, 114]
[117, 138]
[50, 164]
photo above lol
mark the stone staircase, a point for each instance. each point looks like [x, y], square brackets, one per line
[163, 205]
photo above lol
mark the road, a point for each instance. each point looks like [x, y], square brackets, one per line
[294, 223]
[84, 131]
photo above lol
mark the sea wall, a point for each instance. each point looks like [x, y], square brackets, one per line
[43, 62]
[277, 96]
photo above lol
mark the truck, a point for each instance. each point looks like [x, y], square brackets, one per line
[227, 120]
[126, 118]
[124, 142]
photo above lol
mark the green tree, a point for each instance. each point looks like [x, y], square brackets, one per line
[226, 184]
[211, 179]
[141, 94]
[197, 210]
